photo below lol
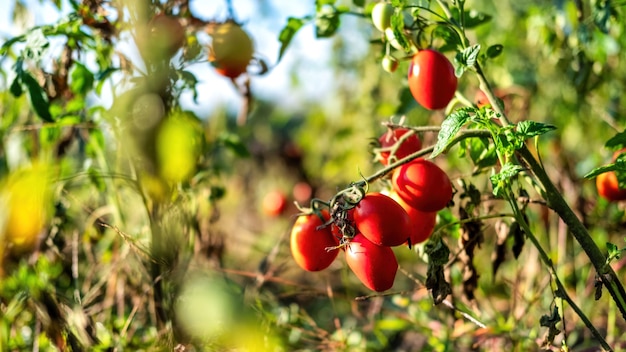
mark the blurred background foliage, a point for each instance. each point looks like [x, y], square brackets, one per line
[141, 223]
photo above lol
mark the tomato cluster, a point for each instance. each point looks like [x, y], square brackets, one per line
[366, 226]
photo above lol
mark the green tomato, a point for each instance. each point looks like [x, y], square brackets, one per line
[389, 63]
[381, 15]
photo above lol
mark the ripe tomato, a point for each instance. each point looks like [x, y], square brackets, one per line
[375, 266]
[381, 15]
[382, 220]
[231, 50]
[308, 244]
[422, 223]
[166, 35]
[408, 146]
[608, 187]
[431, 79]
[423, 185]
[274, 203]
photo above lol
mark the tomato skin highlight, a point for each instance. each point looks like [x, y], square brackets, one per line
[608, 187]
[382, 220]
[423, 185]
[432, 81]
[422, 223]
[308, 244]
[375, 266]
[408, 146]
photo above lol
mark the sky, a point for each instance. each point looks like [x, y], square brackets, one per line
[263, 20]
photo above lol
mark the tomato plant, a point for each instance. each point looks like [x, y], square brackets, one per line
[408, 146]
[423, 185]
[382, 220]
[431, 79]
[310, 244]
[231, 49]
[375, 266]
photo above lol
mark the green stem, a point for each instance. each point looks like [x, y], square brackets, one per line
[561, 292]
[559, 205]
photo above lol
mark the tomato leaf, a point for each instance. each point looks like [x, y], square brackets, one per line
[438, 255]
[450, 127]
[37, 96]
[494, 51]
[234, 143]
[397, 25]
[36, 45]
[482, 152]
[287, 33]
[327, 22]
[358, 3]
[16, 87]
[617, 141]
[500, 180]
[82, 79]
[471, 18]
[450, 37]
[528, 129]
[466, 59]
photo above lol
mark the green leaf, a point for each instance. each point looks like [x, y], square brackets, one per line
[466, 59]
[81, 79]
[449, 36]
[16, 87]
[287, 34]
[502, 179]
[617, 142]
[450, 127]
[482, 152]
[528, 129]
[613, 251]
[618, 166]
[397, 26]
[494, 50]
[38, 97]
[327, 22]
[471, 18]
[234, 143]
[358, 3]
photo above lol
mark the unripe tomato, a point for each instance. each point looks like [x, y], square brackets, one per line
[375, 266]
[408, 146]
[422, 223]
[308, 243]
[431, 79]
[274, 203]
[166, 35]
[389, 64]
[381, 15]
[231, 50]
[25, 202]
[423, 185]
[382, 220]
[608, 187]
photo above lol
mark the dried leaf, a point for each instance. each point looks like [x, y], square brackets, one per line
[499, 254]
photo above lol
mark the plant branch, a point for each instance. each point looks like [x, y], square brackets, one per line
[559, 205]
[382, 172]
[561, 291]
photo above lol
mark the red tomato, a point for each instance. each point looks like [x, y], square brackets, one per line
[423, 185]
[308, 244]
[608, 187]
[431, 79]
[382, 220]
[374, 265]
[408, 146]
[422, 223]
[274, 203]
